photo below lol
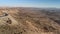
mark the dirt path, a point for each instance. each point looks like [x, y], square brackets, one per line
[14, 22]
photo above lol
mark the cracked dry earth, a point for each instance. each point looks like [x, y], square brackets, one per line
[25, 22]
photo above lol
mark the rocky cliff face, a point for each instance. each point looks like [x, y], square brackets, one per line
[26, 21]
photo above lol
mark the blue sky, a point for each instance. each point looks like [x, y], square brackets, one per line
[31, 3]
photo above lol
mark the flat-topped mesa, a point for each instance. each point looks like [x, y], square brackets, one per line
[5, 11]
[2, 14]
[4, 19]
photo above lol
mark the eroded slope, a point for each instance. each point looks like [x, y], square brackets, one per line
[27, 21]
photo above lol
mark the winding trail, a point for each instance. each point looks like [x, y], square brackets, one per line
[14, 22]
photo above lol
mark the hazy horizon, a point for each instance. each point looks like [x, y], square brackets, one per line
[30, 3]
